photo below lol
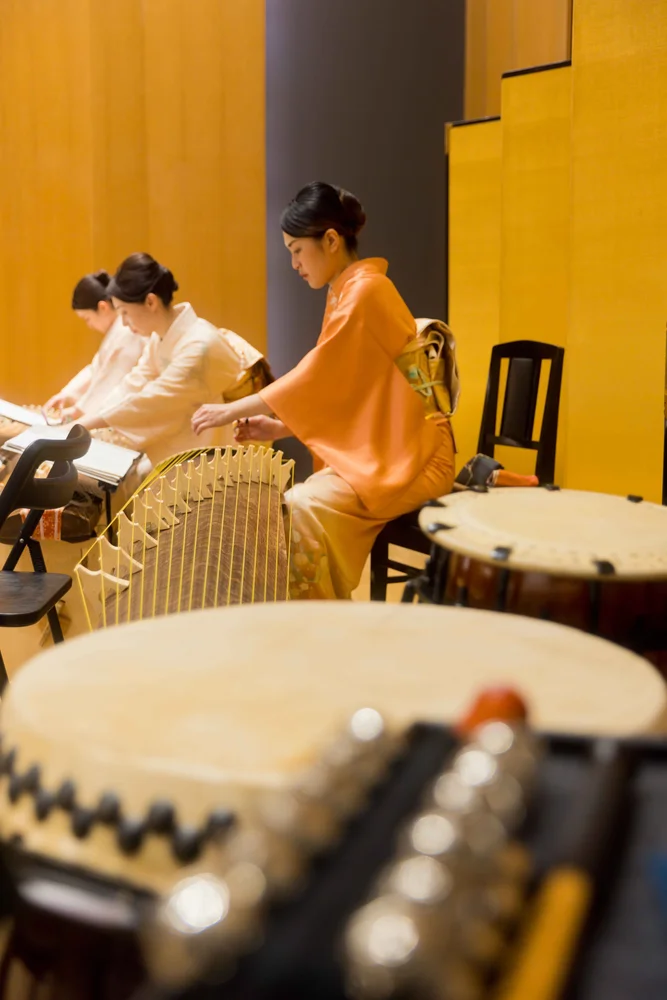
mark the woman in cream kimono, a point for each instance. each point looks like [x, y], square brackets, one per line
[117, 354]
[186, 362]
[378, 455]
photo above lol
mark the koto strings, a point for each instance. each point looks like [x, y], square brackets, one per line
[205, 529]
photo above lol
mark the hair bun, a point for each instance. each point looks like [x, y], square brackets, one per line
[103, 277]
[319, 207]
[169, 279]
[355, 217]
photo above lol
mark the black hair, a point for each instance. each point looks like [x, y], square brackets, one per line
[318, 207]
[91, 290]
[138, 276]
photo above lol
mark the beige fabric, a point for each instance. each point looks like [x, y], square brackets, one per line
[332, 532]
[194, 363]
[429, 363]
[117, 355]
[209, 708]
[248, 354]
[556, 531]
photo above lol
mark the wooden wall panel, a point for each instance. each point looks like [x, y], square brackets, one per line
[475, 153]
[616, 344]
[138, 131]
[45, 189]
[120, 181]
[243, 173]
[206, 155]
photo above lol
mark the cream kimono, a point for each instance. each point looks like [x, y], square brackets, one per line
[194, 363]
[117, 355]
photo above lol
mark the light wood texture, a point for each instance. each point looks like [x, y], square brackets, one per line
[505, 35]
[141, 130]
[268, 687]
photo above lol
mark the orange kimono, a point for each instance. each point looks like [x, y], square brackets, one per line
[348, 402]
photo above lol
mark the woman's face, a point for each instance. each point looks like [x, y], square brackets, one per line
[140, 317]
[99, 319]
[317, 261]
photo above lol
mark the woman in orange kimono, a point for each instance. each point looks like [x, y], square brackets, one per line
[348, 402]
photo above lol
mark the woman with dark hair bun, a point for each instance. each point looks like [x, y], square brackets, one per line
[116, 356]
[380, 452]
[186, 361]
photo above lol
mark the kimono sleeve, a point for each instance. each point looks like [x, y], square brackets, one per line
[78, 385]
[159, 406]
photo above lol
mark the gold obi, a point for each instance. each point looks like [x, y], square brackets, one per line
[257, 377]
[429, 364]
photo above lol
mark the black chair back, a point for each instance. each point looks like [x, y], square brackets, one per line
[24, 490]
[517, 422]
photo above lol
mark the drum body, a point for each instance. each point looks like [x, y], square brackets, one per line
[591, 561]
[629, 613]
[50, 957]
[126, 755]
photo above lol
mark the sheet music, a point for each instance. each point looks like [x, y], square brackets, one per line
[21, 414]
[109, 463]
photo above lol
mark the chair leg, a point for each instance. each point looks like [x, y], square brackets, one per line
[379, 570]
[410, 591]
[54, 623]
[4, 679]
[37, 556]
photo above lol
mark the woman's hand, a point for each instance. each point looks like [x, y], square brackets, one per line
[212, 415]
[259, 429]
[221, 414]
[70, 414]
[60, 401]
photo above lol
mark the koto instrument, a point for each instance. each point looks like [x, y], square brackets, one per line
[205, 529]
[590, 560]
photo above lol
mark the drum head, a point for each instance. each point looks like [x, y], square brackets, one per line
[567, 533]
[204, 710]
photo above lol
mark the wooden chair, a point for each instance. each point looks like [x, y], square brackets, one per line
[517, 423]
[26, 597]
[517, 428]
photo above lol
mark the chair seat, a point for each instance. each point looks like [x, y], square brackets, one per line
[26, 597]
[405, 532]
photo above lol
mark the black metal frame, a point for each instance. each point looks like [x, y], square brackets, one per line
[24, 491]
[404, 532]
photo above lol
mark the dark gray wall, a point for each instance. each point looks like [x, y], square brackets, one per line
[358, 93]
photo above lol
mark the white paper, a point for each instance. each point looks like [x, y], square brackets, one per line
[20, 414]
[106, 462]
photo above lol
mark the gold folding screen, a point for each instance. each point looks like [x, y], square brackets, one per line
[575, 234]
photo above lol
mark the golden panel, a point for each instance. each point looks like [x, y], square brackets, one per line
[475, 153]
